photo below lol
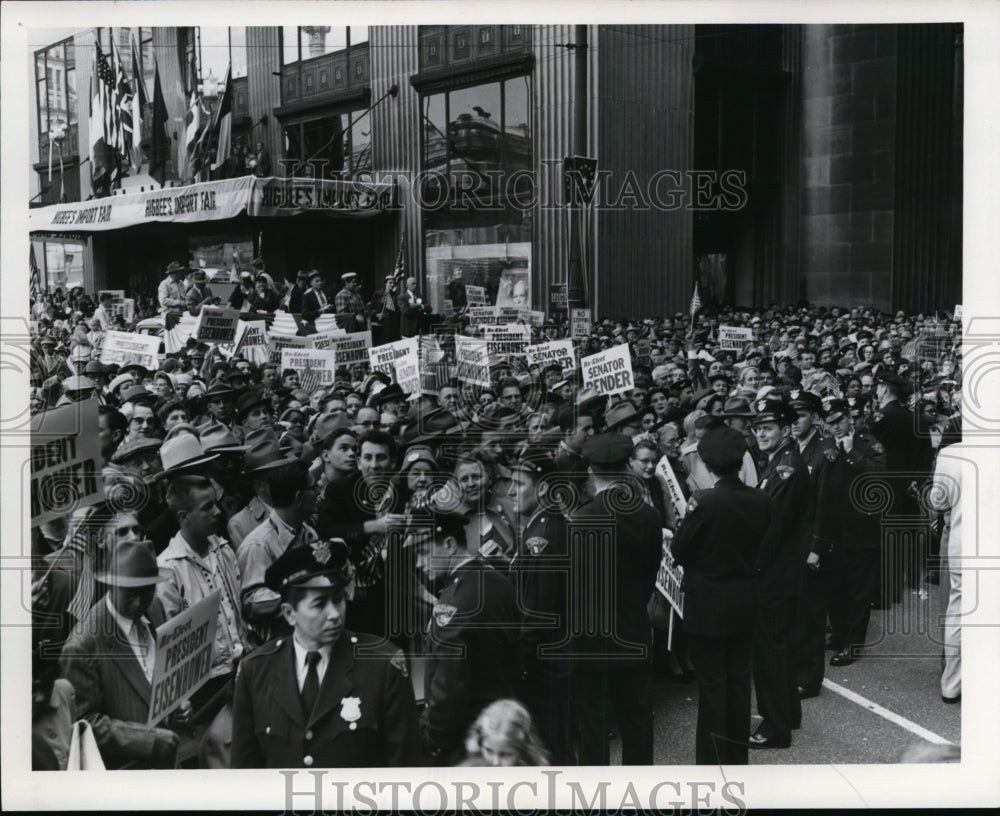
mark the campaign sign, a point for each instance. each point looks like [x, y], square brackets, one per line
[122, 348]
[556, 351]
[476, 296]
[353, 347]
[251, 341]
[276, 343]
[65, 461]
[609, 372]
[669, 580]
[217, 324]
[183, 660]
[481, 315]
[507, 340]
[401, 361]
[734, 338]
[579, 322]
[530, 317]
[668, 479]
[321, 363]
[472, 361]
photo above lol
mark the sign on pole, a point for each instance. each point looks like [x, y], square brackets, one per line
[401, 361]
[277, 342]
[669, 580]
[122, 348]
[481, 315]
[251, 341]
[559, 352]
[579, 322]
[557, 297]
[668, 479]
[320, 363]
[183, 659]
[505, 341]
[352, 348]
[530, 317]
[217, 324]
[65, 461]
[472, 361]
[734, 338]
[609, 372]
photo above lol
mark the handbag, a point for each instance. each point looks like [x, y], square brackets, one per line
[84, 755]
[659, 610]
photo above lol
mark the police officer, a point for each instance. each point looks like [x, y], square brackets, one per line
[324, 697]
[717, 544]
[540, 574]
[786, 480]
[850, 536]
[818, 451]
[471, 645]
[615, 552]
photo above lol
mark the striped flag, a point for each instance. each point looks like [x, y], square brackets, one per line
[139, 100]
[398, 272]
[103, 161]
[224, 123]
[192, 122]
[121, 119]
[695, 302]
[159, 141]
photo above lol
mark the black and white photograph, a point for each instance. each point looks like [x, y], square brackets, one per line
[391, 389]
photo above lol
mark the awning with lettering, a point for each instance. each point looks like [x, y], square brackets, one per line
[216, 200]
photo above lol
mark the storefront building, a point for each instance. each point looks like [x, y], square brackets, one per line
[771, 163]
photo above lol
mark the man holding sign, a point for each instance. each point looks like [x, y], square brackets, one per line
[110, 658]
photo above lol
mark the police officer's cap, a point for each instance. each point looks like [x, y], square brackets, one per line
[836, 409]
[608, 449]
[891, 378]
[807, 401]
[722, 448]
[437, 524]
[537, 463]
[773, 409]
[322, 564]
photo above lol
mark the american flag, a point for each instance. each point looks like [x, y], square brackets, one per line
[695, 302]
[113, 100]
[398, 273]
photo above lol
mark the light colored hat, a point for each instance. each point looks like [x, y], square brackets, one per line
[182, 452]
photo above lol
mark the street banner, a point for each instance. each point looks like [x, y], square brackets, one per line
[65, 461]
[481, 315]
[353, 347]
[251, 341]
[183, 657]
[324, 339]
[555, 351]
[278, 342]
[579, 322]
[317, 362]
[530, 318]
[507, 340]
[668, 479]
[217, 324]
[472, 361]
[734, 338]
[215, 200]
[476, 296]
[609, 372]
[121, 348]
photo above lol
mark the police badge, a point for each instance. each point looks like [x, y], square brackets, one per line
[443, 613]
[784, 471]
[350, 709]
[537, 544]
[321, 551]
[830, 453]
[877, 448]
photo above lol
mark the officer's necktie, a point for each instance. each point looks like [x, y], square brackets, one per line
[310, 688]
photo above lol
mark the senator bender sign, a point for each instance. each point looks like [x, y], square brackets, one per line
[609, 372]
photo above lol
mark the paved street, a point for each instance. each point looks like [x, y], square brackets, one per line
[899, 673]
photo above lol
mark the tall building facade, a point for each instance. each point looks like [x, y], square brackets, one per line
[771, 163]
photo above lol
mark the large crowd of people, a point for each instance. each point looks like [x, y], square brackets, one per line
[357, 534]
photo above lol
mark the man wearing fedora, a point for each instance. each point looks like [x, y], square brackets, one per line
[171, 294]
[314, 299]
[322, 696]
[200, 292]
[296, 292]
[109, 661]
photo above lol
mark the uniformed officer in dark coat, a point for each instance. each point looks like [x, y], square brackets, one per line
[324, 697]
[817, 450]
[717, 544]
[616, 546]
[908, 462]
[781, 562]
[539, 572]
[471, 646]
[848, 533]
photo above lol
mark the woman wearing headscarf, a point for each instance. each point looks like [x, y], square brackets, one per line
[265, 297]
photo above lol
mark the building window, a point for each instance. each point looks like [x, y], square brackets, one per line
[146, 58]
[477, 221]
[55, 81]
[305, 42]
[63, 265]
[220, 49]
[329, 147]
[238, 51]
